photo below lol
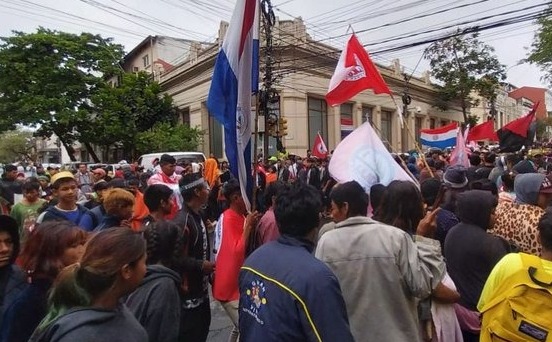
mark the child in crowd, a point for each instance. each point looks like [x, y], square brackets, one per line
[26, 211]
[157, 302]
[85, 301]
[65, 189]
[49, 248]
[118, 204]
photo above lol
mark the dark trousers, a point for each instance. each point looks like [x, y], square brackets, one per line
[195, 323]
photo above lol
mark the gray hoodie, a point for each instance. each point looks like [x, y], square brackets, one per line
[92, 325]
[156, 303]
[527, 187]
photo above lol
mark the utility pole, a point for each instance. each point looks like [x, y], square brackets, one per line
[268, 93]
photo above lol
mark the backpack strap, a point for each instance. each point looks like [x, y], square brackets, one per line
[533, 264]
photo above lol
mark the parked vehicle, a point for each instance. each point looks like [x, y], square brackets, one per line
[146, 160]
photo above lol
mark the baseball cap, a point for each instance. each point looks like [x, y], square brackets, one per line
[99, 171]
[61, 175]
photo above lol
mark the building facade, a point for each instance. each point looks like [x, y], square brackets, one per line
[159, 54]
[534, 95]
[507, 108]
[303, 68]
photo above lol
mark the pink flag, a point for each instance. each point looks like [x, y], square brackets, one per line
[362, 157]
[459, 155]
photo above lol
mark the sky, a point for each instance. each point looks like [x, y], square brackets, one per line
[380, 25]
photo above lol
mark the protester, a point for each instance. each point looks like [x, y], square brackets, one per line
[267, 229]
[99, 175]
[271, 174]
[156, 303]
[118, 204]
[508, 193]
[98, 211]
[85, 302]
[475, 164]
[488, 163]
[9, 186]
[430, 189]
[26, 211]
[96, 200]
[455, 181]
[407, 270]
[157, 198]
[45, 189]
[285, 293]
[12, 279]
[403, 208]
[517, 222]
[49, 248]
[65, 190]
[85, 179]
[312, 176]
[168, 177]
[471, 254]
[508, 275]
[140, 210]
[233, 231]
[377, 193]
[196, 316]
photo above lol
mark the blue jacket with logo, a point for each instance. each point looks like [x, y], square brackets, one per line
[286, 294]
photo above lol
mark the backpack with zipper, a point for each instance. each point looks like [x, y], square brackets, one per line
[522, 307]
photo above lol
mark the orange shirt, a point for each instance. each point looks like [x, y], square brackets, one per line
[271, 177]
[140, 211]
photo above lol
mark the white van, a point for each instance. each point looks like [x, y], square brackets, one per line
[146, 160]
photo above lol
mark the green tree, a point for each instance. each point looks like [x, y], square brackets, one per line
[48, 78]
[463, 65]
[541, 49]
[166, 137]
[124, 111]
[17, 146]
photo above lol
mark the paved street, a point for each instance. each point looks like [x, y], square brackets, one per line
[221, 326]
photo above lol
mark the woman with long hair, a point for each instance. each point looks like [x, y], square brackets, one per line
[85, 302]
[50, 247]
[156, 303]
[403, 208]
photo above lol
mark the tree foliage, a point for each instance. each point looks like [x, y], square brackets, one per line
[166, 137]
[17, 146]
[123, 111]
[541, 48]
[48, 78]
[463, 65]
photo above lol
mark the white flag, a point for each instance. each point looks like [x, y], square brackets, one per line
[362, 157]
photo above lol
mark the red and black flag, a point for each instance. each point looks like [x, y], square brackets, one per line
[518, 133]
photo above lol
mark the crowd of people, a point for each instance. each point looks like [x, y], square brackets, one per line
[138, 256]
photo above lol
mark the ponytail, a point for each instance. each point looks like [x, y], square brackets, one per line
[66, 293]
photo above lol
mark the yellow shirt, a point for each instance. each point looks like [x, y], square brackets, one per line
[508, 265]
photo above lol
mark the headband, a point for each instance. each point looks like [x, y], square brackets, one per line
[192, 184]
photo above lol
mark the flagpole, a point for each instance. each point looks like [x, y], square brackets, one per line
[416, 145]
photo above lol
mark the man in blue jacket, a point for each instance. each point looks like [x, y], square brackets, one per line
[286, 294]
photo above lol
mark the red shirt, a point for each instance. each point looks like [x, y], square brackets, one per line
[230, 257]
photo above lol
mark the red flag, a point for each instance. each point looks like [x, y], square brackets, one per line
[319, 150]
[354, 73]
[521, 126]
[484, 131]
